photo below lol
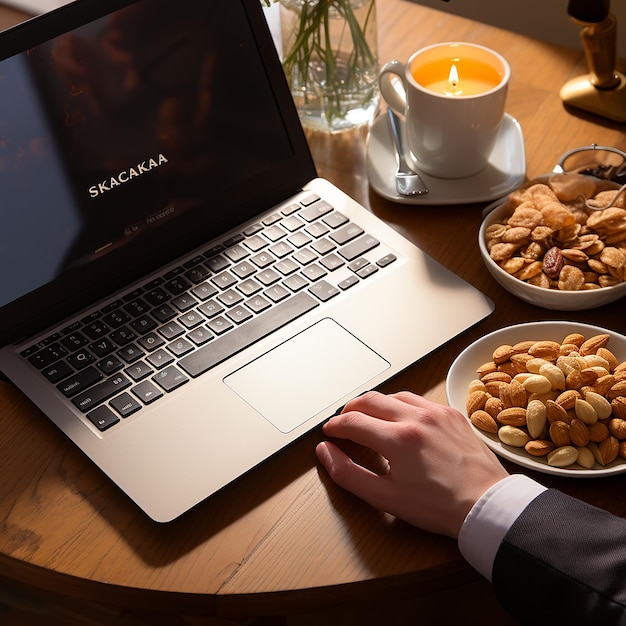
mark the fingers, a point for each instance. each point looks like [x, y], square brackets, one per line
[381, 406]
[353, 477]
[368, 421]
[374, 419]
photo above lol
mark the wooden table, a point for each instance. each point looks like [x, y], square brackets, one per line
[283, 540]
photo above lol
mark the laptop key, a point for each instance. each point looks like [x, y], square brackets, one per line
[102, 347]
[160, 358]
[221, 348]
[138, 371]
[346, 233]
[367, 271]
[324, 290]
[170, 378]
[164, 313]
[57, 372]
[125, 404]
[47, 356]
[143, 324]
[110, 365]
[103, 418]
[358, 247]
[79, 381]
[147, 392]
[314, 211]
[74, 341]
[101, 392]
[81, 359]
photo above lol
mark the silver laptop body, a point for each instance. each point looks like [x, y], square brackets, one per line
[181, 295]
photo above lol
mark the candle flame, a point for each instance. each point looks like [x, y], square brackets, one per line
[454, 76]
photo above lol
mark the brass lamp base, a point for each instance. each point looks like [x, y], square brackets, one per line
[610, 103]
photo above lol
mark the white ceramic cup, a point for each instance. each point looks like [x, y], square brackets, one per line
[452, 123]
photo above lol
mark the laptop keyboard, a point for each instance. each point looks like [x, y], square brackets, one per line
[178, 326]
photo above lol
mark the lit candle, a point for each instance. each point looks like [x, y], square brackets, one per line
[457, 76]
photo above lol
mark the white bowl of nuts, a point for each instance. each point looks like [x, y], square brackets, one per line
[549, 396]
[546, 246]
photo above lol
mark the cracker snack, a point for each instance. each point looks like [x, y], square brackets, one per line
[552, 239]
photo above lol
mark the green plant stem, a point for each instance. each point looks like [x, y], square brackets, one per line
[313, 42]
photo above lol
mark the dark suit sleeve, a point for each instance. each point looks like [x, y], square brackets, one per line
[563, 562]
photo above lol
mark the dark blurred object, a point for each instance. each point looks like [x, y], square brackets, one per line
[589, 11]
[603, 90]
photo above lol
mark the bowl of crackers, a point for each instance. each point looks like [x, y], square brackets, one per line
[559, 242]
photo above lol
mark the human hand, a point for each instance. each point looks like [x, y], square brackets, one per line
[438, 468]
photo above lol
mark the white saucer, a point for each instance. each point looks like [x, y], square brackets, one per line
[505, 171]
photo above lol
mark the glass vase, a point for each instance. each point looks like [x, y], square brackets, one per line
[330, 58]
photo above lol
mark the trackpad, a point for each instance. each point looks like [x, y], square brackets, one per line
[307, 374]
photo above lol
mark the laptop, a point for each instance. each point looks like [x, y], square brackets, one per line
[182, 295]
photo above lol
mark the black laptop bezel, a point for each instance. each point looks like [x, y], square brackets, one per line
[82, 287]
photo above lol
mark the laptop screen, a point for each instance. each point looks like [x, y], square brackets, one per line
[133, 137]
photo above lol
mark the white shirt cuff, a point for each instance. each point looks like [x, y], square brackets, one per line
[491, 517]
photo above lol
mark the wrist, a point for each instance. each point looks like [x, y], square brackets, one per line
[491, 517]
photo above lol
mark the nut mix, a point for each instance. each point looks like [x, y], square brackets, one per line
[564, 401]
[551, 239]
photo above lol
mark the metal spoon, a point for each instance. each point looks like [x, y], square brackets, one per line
[408, 182]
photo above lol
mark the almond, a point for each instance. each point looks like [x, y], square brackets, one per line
[537, 384]
[559, 433]
[568, 398]
[513, 394]
[536, 418]
[496, 377]
[486, 368]
[618, 406]
[609, 357]
[609, 449]
[567, 348]
[588, 376]
[591, 345]
[595, 450]
[603, 384]
[554, 375]
[617, 428]
[585, 457]
[522, 347]
[556, 413]
[585, 411]
[539, 447]
[533, 365]
[508, 368]
[595, 361]
[619, 373]
[519, 361]
[601, 405]
[512, 436]
[493, 406]
[618, 389]
[483, 421]
[598, 432]
[574, 380]
[502, 353]
[576, 338]
[562, 457]
[579, 433]
[548, 350]
[513, 416]
[476, 400]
